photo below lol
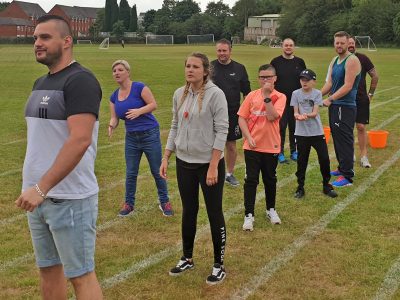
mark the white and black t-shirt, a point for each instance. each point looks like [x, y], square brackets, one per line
[55, 97]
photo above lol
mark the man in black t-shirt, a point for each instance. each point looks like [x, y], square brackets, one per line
[363, 100]
[288, 68]
[231, 77]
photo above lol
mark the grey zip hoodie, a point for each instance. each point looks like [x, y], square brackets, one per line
[194, 135]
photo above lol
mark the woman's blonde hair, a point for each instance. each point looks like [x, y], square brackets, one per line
[206, 77]
[121, 62]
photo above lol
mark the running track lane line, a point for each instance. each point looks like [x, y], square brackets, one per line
[279, 261]
[391, 282]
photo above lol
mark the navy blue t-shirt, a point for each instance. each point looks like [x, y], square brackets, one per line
[134, 100]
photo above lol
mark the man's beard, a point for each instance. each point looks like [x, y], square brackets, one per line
[50, 58]
[351, 49]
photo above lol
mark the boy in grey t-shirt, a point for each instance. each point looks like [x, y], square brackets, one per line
[309, 133]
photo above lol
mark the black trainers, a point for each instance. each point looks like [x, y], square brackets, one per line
[217, 276]
[232, 180]
[299, 193]
[183, 265]
[329, 191]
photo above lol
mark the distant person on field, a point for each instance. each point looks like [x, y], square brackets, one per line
[59, 189]
[310, 133]
[259, 117]
[341, 85]
[134, 103]
[122, 43]
[363, 100]
[197, 136]
[231, 77]
[288, 67]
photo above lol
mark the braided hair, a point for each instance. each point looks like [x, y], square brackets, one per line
[206, 77]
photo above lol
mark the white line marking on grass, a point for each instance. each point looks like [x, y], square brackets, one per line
[10, 172]
[391, 282]
[386, 122]
[385, 102]
[16, 261]
[13, 142]
[279, 261]
[392, 88]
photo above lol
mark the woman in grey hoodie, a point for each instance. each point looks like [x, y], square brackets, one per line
[198, 136]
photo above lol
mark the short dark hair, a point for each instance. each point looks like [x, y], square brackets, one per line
[224, 41]
[342, 34]
[65, 30]
[267, 67]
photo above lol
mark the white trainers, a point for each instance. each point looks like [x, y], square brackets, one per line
[364, 162]
[272, 215]
[248, 222]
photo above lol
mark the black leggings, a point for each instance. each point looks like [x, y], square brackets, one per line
[190, 176]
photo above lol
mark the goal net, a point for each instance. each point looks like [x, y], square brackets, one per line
[365, 42]
[83, 42]
[235, 40]
[200, 38]
[260, 39]
[157, 39]
[105, 44]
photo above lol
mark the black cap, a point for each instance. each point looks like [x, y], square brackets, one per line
[309, 74]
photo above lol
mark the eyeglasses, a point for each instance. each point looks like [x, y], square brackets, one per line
[266, 77]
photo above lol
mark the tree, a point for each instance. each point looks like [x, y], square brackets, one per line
[184, 9]
[148, 19]
[118, 29]
[218, 9]
[396, 27]
[133, 26]
[3, 5]
[125, 13]
[107, 26]
[98, 25]
[114, 12]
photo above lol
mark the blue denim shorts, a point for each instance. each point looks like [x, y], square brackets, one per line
[64, 232]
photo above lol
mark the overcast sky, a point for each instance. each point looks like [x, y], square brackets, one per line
[141, 5]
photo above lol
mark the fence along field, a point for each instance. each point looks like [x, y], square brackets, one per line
[353, 257]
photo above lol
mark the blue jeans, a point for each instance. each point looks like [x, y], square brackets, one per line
[149, 143]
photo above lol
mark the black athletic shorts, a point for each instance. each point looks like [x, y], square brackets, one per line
[362, 116]
[234, 132]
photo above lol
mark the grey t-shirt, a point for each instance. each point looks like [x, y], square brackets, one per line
[305, 102]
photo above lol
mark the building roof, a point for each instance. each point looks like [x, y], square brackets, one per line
[15, 21]
[270, 16]
[31, 9]
[80, 12]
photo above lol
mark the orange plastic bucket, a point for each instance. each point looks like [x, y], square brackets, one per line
[327, 133]
[378, 138]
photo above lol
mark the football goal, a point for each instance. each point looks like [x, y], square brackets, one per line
[260, 39]
[235, 40]
[105, 44]
[200, 38]
[83, 42]
[365, 42]
[157, 39]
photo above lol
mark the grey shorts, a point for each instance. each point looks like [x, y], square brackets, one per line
[64, 232]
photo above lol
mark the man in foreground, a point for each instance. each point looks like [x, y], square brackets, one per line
[341, 85]
[60, 191]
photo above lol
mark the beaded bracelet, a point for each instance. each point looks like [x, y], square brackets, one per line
[40, 192]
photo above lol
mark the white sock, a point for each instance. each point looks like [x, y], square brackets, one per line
[228, 174]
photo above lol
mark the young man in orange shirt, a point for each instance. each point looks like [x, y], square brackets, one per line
[259, 117]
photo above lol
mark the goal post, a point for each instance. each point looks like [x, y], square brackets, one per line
[83, 42]
[365, 42]
[105, 44]
[275, 43]
[200, 38]
[159, 39]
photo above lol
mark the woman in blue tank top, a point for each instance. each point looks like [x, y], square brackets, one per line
[134, 102]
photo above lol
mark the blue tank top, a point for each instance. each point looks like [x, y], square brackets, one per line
[134, 100]
[338, 75]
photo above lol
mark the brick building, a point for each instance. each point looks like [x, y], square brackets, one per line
[80, 18]
[19, 19]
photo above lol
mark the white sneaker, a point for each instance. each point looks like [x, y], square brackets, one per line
[272, 215]
[364, 162]
[248, 222]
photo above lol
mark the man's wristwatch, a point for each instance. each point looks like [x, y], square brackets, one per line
[267, 100]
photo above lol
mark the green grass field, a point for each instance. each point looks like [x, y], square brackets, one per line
[347, 248]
